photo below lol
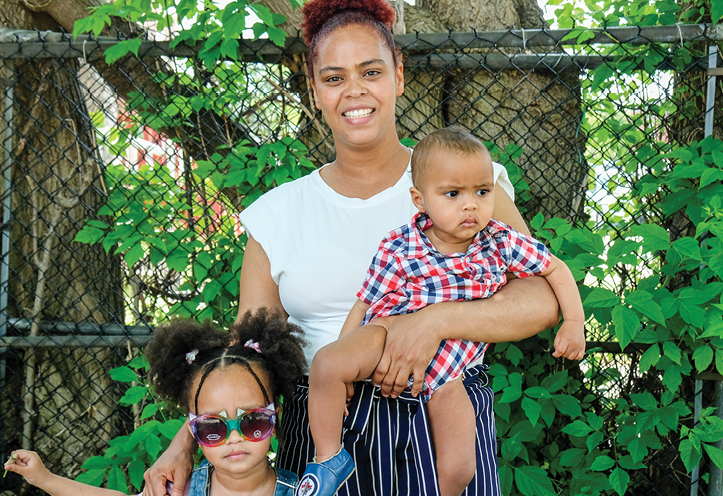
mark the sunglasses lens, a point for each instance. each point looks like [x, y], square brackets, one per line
[211, 431]
[256, 426]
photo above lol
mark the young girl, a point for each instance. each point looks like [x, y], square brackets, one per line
[231, 383]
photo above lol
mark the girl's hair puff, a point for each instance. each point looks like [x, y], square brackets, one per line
[321, 17]
[171, 374]
[280, 344]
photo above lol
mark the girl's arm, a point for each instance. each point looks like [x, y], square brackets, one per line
[520, 309]
[30, 466]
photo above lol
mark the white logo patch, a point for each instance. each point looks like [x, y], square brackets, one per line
[309, 486]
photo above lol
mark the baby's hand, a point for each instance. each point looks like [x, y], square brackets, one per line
[570, 340]
[29, 465]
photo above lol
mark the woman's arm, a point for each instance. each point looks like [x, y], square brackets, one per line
[257, 288]
[520, 309]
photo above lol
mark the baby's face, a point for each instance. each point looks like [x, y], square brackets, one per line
[456, 190]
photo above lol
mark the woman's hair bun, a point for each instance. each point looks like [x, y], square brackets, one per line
[317, 12]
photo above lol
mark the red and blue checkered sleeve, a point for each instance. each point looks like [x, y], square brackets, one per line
[384, 276]
[527, 256]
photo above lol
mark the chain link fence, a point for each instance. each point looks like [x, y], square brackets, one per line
[135, 144]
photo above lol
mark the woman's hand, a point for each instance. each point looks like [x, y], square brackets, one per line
[174, 466]
[410, 346]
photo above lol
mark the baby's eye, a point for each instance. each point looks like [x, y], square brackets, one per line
[451, 194]
[483, 192]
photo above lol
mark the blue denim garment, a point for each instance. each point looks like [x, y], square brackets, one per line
[200, 484]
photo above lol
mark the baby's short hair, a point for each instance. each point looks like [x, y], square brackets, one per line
[452, 138]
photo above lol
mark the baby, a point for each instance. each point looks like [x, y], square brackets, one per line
[451, 250]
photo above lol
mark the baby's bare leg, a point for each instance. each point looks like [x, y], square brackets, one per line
[353, 357]
[452, 422]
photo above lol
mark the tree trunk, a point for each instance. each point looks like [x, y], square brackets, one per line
[57, 182]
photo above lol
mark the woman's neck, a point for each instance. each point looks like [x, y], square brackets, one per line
[359, 173]
[261, 482]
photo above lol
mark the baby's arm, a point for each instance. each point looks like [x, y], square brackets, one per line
[355, 317]
[30, 466]
[570, 339]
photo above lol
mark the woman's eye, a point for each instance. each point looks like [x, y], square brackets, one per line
[451, 194]
[333, 79]
[373, 73]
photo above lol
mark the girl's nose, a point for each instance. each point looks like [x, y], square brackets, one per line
[234, 437]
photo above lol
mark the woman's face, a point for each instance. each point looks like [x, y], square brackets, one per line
[356, 84]
[228, 389]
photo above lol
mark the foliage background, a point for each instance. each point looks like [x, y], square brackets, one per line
[646, 252]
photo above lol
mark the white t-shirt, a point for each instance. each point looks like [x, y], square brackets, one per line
[320, 244]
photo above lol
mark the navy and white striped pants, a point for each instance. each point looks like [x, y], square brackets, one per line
[390, 441]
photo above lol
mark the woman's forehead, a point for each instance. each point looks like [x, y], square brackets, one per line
[350, 46]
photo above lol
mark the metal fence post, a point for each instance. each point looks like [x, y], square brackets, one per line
[5, 234]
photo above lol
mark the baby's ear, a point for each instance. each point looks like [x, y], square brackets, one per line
[417, 199]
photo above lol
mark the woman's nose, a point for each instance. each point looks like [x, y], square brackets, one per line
[357, 87]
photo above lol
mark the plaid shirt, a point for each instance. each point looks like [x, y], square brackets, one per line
[408, 273]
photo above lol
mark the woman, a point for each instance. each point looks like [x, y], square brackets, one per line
[310, 243]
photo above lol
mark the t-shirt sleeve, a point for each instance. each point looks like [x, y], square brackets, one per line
[525, 255]
[384, 276]
[502, 179]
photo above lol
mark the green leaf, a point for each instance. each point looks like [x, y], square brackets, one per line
[715, 454]
[555, 382]
[136, 469]
[593, 441]
[92, 477]
[532, 409]
[170, 428]
[537, 221]
[95, 462]
[567, 405]
[123, 374]
[537, 392]
[626, 325]
[139, 362]
[642, 301]
[121, 49]
[117, 479]
[716, 14]
[619, 480]
[645, 400]
[689, 453]
[511, 447]
[655, 238]
[572, 457]
[671, 350]
[153, 445]
[149, 410]
[533, 481]
[688, 249]
[649, 358]
[703, 357]
[134, 254]
[134, 395]
[601, 298]
[514, 354]
[578, 429]
[602, 463]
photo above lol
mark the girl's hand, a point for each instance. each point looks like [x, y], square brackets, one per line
[29, 465]
[411, 344]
